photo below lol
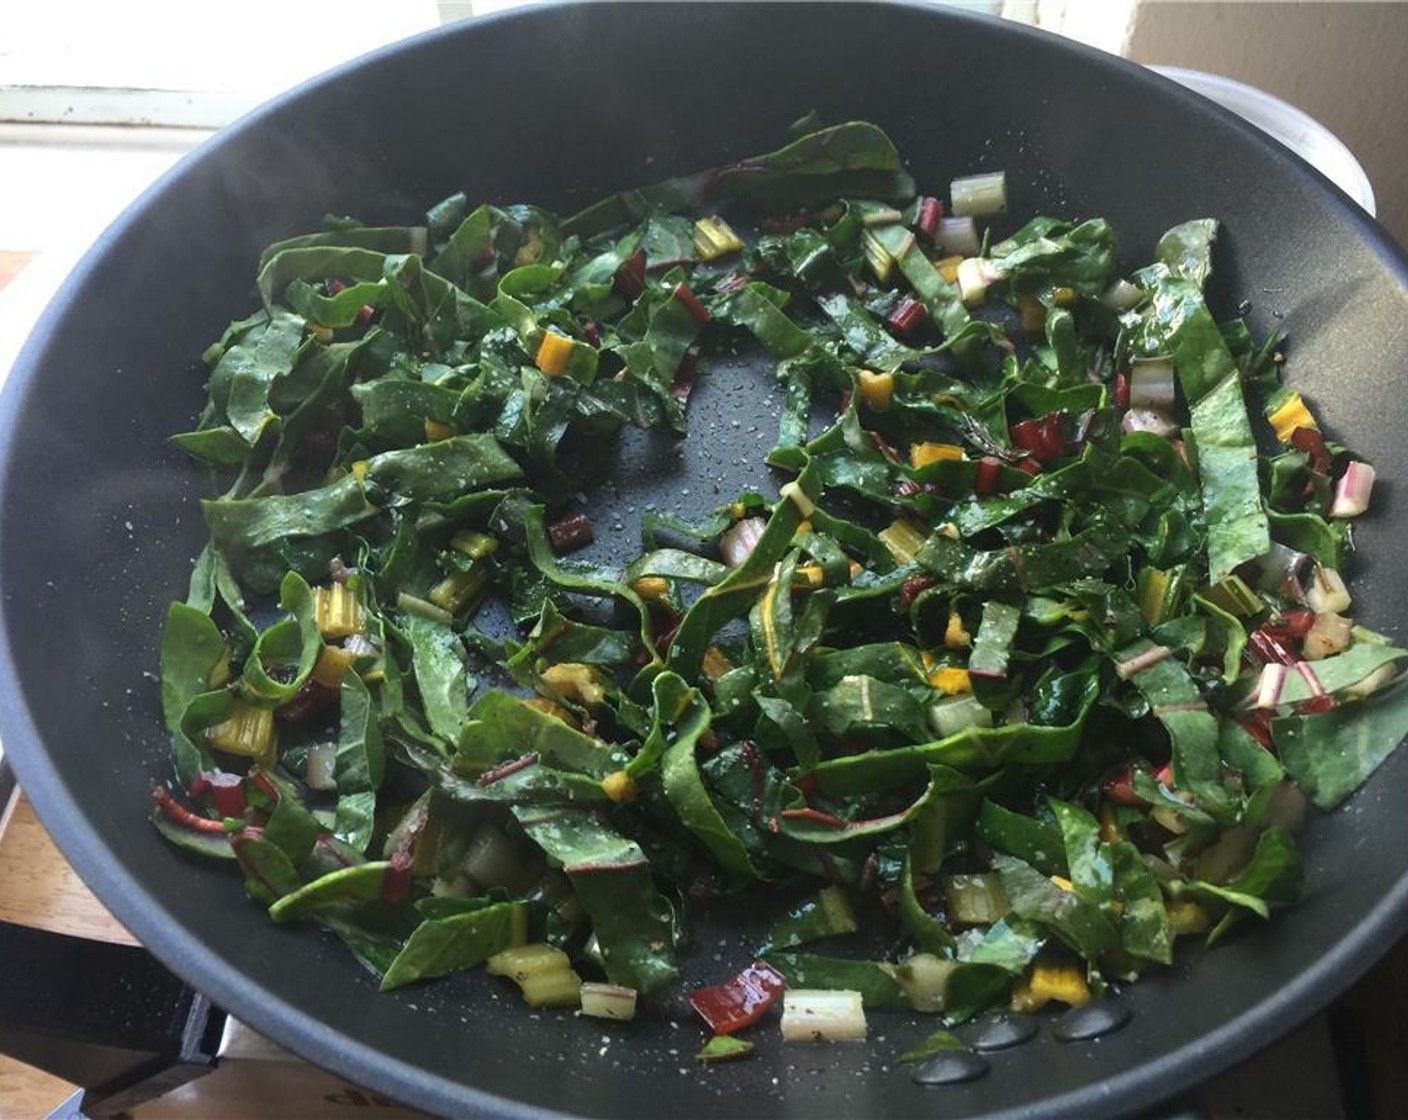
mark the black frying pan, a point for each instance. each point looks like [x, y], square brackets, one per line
[558, 104]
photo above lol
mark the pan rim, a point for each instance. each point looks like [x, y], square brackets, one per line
[284, 1022]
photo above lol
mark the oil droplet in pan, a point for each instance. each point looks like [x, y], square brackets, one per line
[1091, 1021]
[1001, 1031]
[952, 1068]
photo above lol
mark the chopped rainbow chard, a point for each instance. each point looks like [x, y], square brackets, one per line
[1024, 638]
[742, 1000]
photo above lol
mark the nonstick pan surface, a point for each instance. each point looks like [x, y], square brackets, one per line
[99, 522]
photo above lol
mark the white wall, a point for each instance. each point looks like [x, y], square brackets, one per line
[1344, 63]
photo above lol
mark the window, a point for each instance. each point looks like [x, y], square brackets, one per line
[174, 62]
[201, 65]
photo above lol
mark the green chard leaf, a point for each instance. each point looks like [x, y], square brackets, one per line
[440, 946]
[438, 663]
[688, 711]
[1077, 921]
[634, 924]
[1331, 754]
[359, 764]
[1178, 323]
[874, 980]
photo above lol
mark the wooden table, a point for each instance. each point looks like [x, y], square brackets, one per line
[38, 888]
